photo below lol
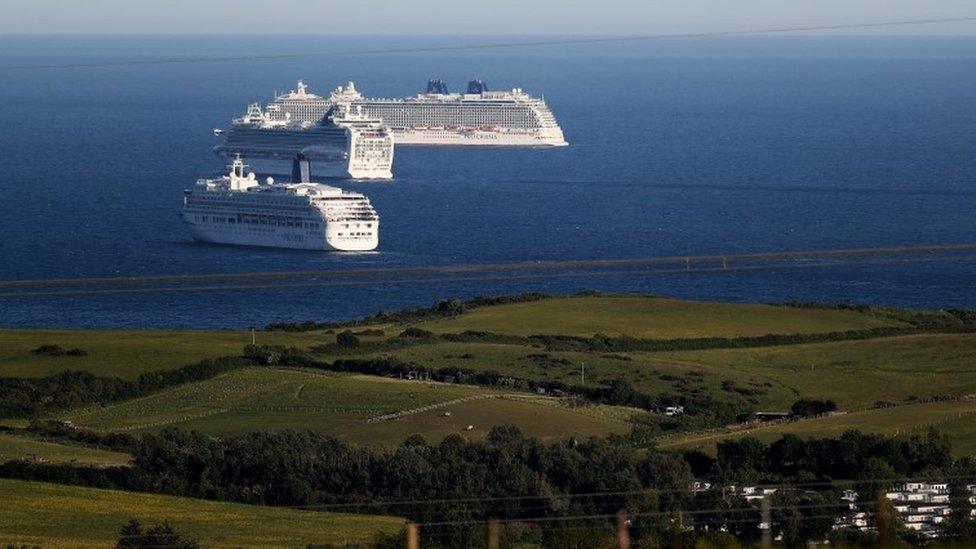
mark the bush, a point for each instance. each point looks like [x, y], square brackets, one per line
[808, 407]
[162, 535]
[347, 339]
[57, 350]
[417, 333]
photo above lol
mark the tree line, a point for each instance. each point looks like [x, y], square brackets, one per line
[443, 308]
[32, 397]
[514, 478]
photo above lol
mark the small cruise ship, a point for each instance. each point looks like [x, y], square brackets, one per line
[338, 142]
[238, 209]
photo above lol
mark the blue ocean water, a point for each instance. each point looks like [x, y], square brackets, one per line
[677, 147]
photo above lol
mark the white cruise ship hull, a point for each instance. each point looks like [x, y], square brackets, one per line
[336, 170]
[276, 237]
[476, 138]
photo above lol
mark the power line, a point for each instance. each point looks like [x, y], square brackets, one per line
[486, 46]
[647, 491]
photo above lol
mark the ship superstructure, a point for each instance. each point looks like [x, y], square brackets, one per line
[238, 209]
[338, 142]
[477, 117]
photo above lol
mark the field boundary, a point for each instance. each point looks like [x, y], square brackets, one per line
[436, 406]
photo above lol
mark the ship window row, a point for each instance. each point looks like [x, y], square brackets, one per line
[356, 234]
[252, 219]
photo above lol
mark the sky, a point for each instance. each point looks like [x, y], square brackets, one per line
[467, 17]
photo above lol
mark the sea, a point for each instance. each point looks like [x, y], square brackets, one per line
[677, 147]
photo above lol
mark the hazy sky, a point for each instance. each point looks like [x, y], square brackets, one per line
[466, 17]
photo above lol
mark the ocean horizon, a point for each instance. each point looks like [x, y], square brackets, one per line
[677, 147]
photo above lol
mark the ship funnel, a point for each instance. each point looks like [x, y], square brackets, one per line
[300, 169]
[437, 85]
[477, 87]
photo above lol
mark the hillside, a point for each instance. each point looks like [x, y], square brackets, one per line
[49, 515]
[339, 405]
[23, 447]
[741, 372]
[852, 373]
[954, 418]
[127, 353]
[652, 317]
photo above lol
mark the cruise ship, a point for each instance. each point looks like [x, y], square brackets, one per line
[338, 142]
[477, 117]
[238, 209]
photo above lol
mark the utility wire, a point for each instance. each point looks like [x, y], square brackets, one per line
[643, 492]
[487, 46]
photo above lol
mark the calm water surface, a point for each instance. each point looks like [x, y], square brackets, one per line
[688, 147]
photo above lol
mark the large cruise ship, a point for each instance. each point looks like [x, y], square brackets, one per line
[238, 209]
[476, 117]
[338, 142]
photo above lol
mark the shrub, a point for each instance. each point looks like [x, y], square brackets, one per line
[417, 333]
[347, 339]
[807, 407]
[57, 350]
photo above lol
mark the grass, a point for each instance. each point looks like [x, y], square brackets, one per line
[334, 404]
[652, 317]
[23, 447]
[546, 421]
[50, 515]
[128, 353]
[955, 418]
[853, 373]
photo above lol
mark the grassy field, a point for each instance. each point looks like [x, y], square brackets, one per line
[50, 515]
[21, 447]
[855, 374]
[650, 372]
[956, 418]
[128, 353]
[546, 421]
[334, 404]
[652, 317]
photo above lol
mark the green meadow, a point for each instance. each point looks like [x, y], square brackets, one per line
[25, 447]
[652, 317]
[339, 405]
[51, 515]
[955, 418]
[128, 353]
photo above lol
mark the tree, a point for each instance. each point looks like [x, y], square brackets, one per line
[742, 459]
[959, 525]
[132, 536]
[347, 339]
[806, 407]
[721, 510]
[788, 454]
[670, 475]
[802, 516]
